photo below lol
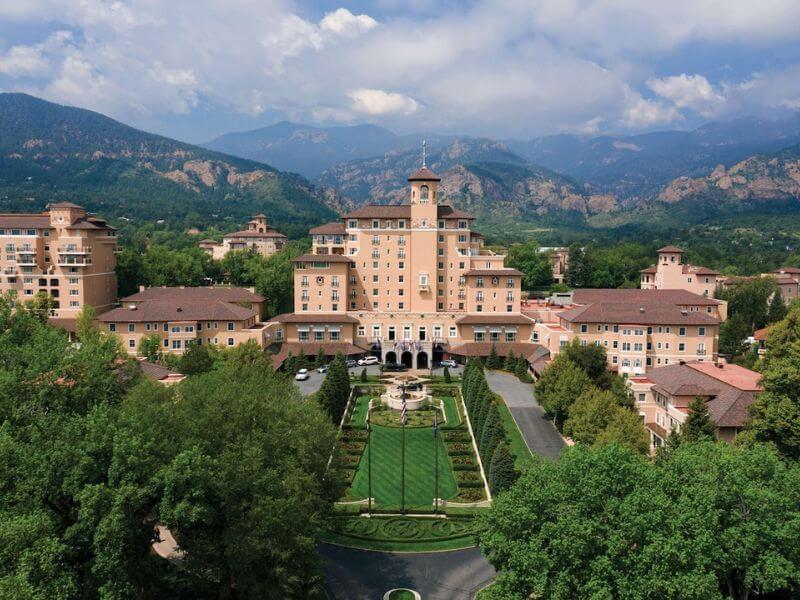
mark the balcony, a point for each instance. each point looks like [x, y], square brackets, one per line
[70, 249]
[26, 258]
[74, 261]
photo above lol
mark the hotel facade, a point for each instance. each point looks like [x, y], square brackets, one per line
[259, 238]
[409, 283]
[62, 252]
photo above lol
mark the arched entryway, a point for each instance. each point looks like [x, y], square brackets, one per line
[375, 350]
[407, 359]
[438, 354]
[422, 360]
[391, 356]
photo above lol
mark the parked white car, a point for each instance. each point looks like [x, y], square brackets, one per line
[368, 360]
[302, 375]
[449, 363]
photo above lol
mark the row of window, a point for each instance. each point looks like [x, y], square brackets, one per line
[45, 232]
[640, 331]
[112, 327]
[399, 224]
[178, 344]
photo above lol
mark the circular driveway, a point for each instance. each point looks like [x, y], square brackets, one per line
[360, 574]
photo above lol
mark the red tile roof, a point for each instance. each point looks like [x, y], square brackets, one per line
[25, 221]
[670, 249]
[495, 319]
[312, 349]
[334, 228]
[761, 334]
[679, 297]
[531, 352]
[401, 211]
[627, 313]
[269, 233]
[424, 174]
[178, 310]
[728, 403]
[183, 294]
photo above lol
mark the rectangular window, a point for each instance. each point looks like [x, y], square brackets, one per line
[230, 325]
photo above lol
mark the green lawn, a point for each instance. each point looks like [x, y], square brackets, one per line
[419, 469]
[451, 412]
[358, 417]
[401, 534]
[517, 444]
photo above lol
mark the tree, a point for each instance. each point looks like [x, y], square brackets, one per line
[532, 262]
[749, 300]
[698, 424]
[150, 347]
[290, 363]
[245, 492]
[510, 361]
[591, 358]
[604, 523]
[321, 359]
[777, 310]
[597, 418]
[446, 375]
[493, 361]
[732, 335]
[579, 269]
[561, 383]
[364, 375]
[521, 369]
[625, 428]
[274, 279]
[335, 389]
[502, 473]
[196, 359]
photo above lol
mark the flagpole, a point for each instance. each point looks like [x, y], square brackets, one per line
[369, 467]
[403, 454]
[436, 463]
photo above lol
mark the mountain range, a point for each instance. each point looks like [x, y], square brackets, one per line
[50, 152]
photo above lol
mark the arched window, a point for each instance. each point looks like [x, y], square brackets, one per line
[423, 193]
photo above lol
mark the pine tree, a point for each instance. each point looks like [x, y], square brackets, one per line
[493, 361]
[302, 360]
[446, 375]
[484, 400]
[492, 433]
[320, 360]
[364, 375]
[502, 473]
[521, 369]
[698, 425]
[290, 364]
[510, 362]
[777, 308]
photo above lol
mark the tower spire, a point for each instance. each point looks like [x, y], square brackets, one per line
[424, 144]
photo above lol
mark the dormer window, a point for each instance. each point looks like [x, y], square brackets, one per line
[423, 193]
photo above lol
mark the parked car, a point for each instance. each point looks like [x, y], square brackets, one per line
[393, 366]
[350, 363]
[450, 363]
[302, 375]
[322, 369]
[368, 360]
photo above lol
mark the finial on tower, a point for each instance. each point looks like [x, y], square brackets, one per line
[424, 144]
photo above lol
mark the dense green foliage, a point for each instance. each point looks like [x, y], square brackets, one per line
[335, 389]
[704, 521]
[93, 457]
[487, 427]
[776, 411]
[532, 262]
[698, 425]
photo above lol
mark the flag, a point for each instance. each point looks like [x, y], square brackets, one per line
[403, 412]
[368, 426]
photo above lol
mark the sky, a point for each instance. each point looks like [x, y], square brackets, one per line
[195, 69]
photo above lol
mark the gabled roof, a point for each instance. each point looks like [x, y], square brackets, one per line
[178, 310]
[732, 388]
[333, 228]
[651, 269]
[626, 313]
[64, 205]
[183, 294]
[25, 221]
[680, 297]
[671, 250]
[424, 174]
[247, 233]
[495, 319]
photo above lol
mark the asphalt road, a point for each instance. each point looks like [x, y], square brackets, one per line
[539, 432]
[358, 574]
[314, 381]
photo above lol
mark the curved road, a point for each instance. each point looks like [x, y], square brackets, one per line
[360, 574]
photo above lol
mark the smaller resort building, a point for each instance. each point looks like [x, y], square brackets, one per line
[259, 238]
[670, 273]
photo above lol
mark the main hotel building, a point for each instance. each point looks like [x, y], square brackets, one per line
[408, 283]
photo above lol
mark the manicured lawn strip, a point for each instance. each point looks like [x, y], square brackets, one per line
[517, 445]
[359, 416]
[387, 546]
[401, 595]
[419, 476]
[451, 412]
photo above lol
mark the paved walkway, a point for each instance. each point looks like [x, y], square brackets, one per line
[358, 574]
[539, 432]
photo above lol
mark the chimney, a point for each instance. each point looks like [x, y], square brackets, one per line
[681, 362]
[641, 309]
[720, 366]
[142, 288]
[684, 312]
[179, 309]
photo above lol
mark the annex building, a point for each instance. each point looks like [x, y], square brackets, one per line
[259, 238]
[63, 252]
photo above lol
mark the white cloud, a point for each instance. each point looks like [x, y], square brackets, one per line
[343, 22]
[522, 69]
[379, 102]
[688, 91]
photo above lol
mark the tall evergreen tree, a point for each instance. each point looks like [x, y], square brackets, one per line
[502, 473]
[320, 360]
[510, 361]
[493, 360]
[698, 425]
[777, 308]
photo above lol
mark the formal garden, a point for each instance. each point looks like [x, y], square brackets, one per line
[377, 457]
